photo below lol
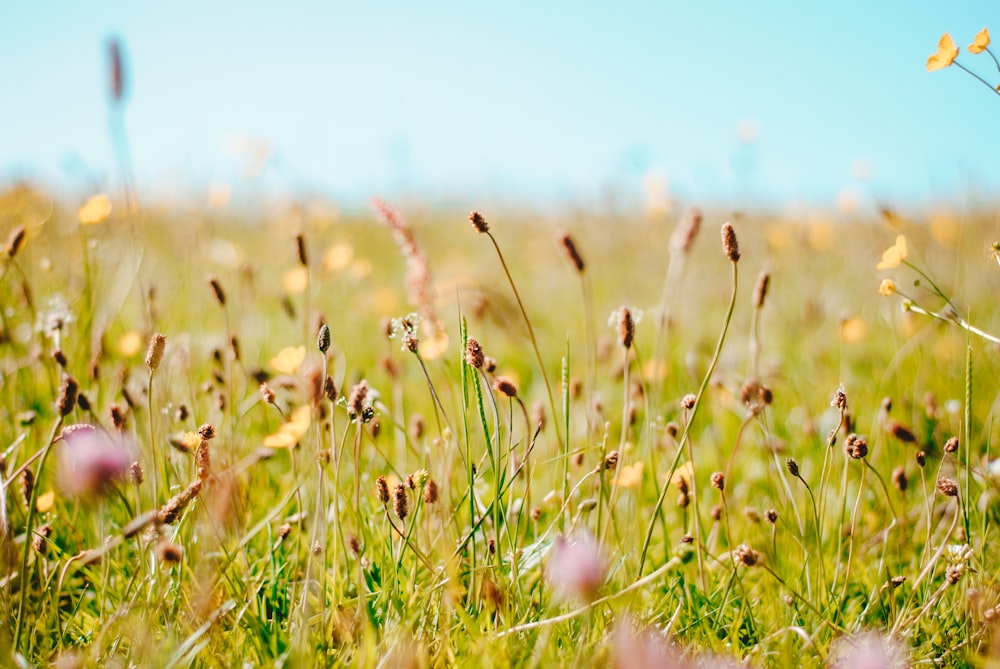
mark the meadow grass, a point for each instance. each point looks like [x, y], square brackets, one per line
[371, 439]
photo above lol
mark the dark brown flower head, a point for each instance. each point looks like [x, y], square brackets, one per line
[903, 433]
[355, 544]
[792, 466]
[729, 244]
[27, 485]
[626, 327]
[40, 540]
[771, 516]
[66, 401]
[323, 338]
[172, 510]
[505, 387]
[329, 389]
[717, 512]
[267, 393]
[117, 416]
[207, 431]
[430, 492]
[154, 354]
[300, 250]
[382, 490]
[746, 556]
[474, 353]
[400, 503]
[951, 445]
[839, 400]
[856, 446]
[760, 289]
[687, 402]
[685, 232]
[203, 461]
[921, 458]
[16, 241]
[611, 460]
[220, 295]
[135, 473]
[284, 530]
[478, 222]
[569, 246]
[719, 480]
[899, 479]
[489, 364]
[358, 400]
[947, 487]
[954, 573]
[168, 552]
[116, 69]
[60, 357]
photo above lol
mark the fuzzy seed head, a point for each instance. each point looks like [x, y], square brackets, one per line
[611, 461]
[16, 242]
[172, 510]
[729, 244]
[685, 232]
[382, 490]
[903, 433]
[323, 338]
[267, 393]
[400, 503]
[66, 401]
[688, 401]
[300, 250]
[168, 552]
[474, 353]
[947, 487]
[951, 445]
[478, 222]
[771, 516]
[921, 459]
[220, 295]
[136, 474]
[358, 399]
[505, 387]
[856, 446]
[719, 481]
[27, 486]
[207, 431]
[899, 479]
[430, 492]
[760, 289]
[203, 461]
[40, 540]
[792, 466]
[839, 400]
[154, 354]
[746, 556]
[569, 246]
[626, 327]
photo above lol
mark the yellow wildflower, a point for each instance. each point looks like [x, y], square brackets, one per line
[893, 255]
[45, 502]
[289, 359]
[629, 476]
[887, 287]
[980, 41]
[291, 432]
[945, 55]
[95, 210]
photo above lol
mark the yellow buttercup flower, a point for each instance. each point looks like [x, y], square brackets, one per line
[291, 432]
[945, 55]
[893, 255]
[45, 502]
[289, 359]
[887, 287]
[980, 41]
[95, 210]
[629, 475]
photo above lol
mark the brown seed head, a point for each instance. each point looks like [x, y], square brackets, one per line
[687, 402]
[357, 401]
[266, 393]
[355, 544]
[719, 481]
[746, 556]
[329, 389]
[771, 516]
[154, 354]
[899, 478]
[474, 353]
[220, 295]
[611, 460]
[16, 241]
[729, 244]
[83, 402]
[284, 530]
[40, 540]
[66, 401]
[171, 511]
[760, 289]
[569, 246]
[947, 487]
[626, 327]
[717, 512]
[489, 364]
[921, 458]
[382, 490]
[400, 503]
[903, 433]
[792, 466]
[27, 485]
[856, 446]
[168, 552]
[116, 72]
[207, 431]
[117, 416]
[430, 492]
[478, 222]
[839, 400]
[954, 573]
[323, 338]
[505, 387]
[60, 357]
[300, 250]
[951, 445]
[135, 473]
[685, 232]
[203, 461]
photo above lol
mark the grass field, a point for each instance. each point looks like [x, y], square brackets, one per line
[316, 465]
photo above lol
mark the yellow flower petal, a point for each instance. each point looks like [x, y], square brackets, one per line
[185, 441]
[338, 257]
[279, 440]
[683, 474]
[291, 432]
[853, 329]
[95, 210]
[45, 501]
[129, 344]
[296, 280]
[887, 287]
[629, 475]
[945, 55]
[894, 255]
[980, 41]
[289, 359]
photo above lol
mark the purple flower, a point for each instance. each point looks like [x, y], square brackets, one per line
[576, 567]
[90, 460]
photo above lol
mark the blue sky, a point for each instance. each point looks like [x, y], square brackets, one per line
[537, 101]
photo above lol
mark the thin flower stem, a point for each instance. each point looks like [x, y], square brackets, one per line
[984, 82]
[687, 427]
